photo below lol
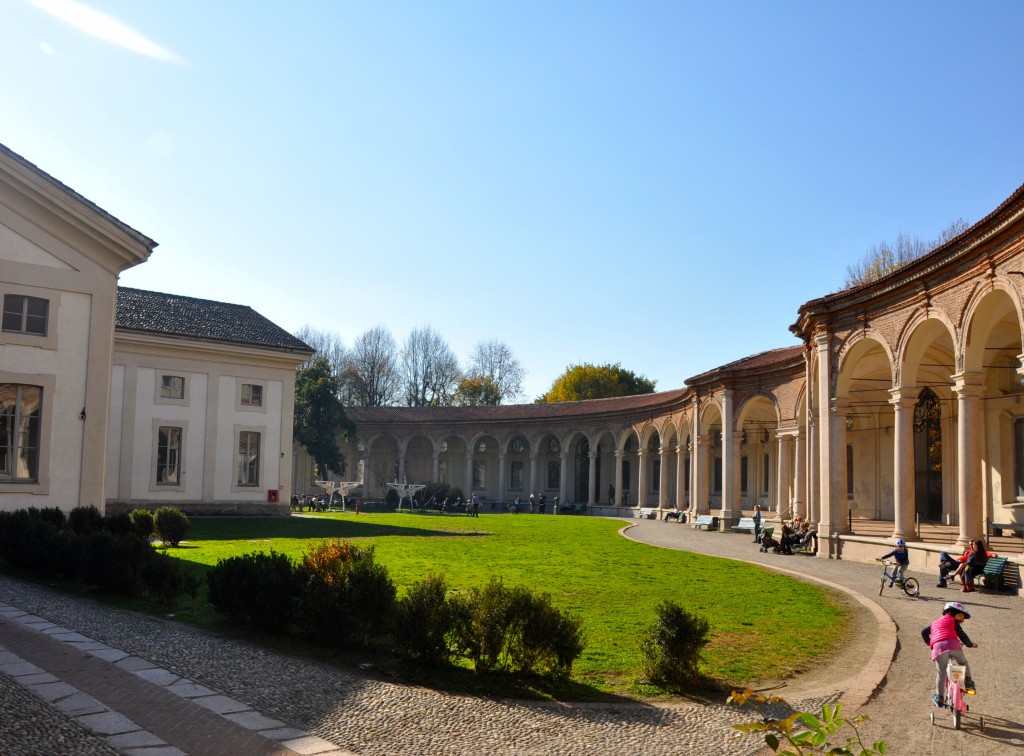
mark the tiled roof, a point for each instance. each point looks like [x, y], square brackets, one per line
[173, 315]
[758, 361]
[516, 412]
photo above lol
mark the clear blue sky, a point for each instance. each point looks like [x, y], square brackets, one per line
[660, 184]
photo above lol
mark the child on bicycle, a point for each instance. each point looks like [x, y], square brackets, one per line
[901, 556]
[946, 637]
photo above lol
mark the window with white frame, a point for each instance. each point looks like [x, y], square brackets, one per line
[248, 458]
[168, 456]
[252, 395]
[23, 314]
[20, 411]
[172, 387]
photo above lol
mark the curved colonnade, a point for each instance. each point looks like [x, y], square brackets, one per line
[901, 402]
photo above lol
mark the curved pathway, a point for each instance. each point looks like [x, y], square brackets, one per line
[900, 706]
[117, 681]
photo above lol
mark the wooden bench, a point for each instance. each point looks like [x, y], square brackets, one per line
[708, 521]
[745, 525]
[992, 577]
[647, 513]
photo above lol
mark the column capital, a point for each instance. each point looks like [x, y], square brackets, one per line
[903, 396]
[967, 385]
[838, 405]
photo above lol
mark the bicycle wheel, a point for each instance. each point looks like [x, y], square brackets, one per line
[911, 587]
[956, 718]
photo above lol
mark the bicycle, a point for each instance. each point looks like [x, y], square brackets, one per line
[955, 706]
[909, 585]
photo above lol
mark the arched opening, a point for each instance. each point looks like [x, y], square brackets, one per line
[928, 456]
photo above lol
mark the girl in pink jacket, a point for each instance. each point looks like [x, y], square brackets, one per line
[946, 638]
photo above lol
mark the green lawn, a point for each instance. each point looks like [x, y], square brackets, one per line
[612, 582]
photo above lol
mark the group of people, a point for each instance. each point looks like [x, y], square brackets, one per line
[798, 536]
[302, 502]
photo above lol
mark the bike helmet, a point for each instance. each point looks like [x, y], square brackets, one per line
[900, 542]
[957, 607]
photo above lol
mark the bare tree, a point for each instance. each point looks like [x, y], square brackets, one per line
[883, 259]
[430, 369]
[327, 344]
[372, 376]
[494, 361]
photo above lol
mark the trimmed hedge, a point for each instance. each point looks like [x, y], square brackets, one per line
[86, 547]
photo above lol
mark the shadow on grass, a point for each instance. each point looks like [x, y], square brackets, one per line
[245, 528]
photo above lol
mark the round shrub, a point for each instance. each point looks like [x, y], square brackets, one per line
[118, 524]
[256, 588]
[671, 649]
[345, 595]
[142, 522]
[171, 525]
[424, 621]
[85, 520]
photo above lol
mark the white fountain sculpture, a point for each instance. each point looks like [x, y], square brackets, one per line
[341, 487]
[405, 489]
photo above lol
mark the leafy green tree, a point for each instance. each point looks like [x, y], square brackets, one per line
[477, 390]
[320, 416]
[588, 381]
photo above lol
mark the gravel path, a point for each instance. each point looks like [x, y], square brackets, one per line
[368, 716]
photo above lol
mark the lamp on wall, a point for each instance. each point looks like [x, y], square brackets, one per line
[849, 421]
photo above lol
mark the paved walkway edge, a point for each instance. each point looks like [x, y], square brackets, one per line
[858, 690]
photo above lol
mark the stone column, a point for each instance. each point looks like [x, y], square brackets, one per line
[813, 472]
[468, 488]
[367, 475]
[641, 483]
[618, 476]
[784, 477]
[903, 462]
[563, 480]
[592, 479]
[681, 477]
[501, 476]
[826, 463]
[663, 478]
[533, 474]
[969, 389]
[702, 478]
[838, 502]
[800, 476]
[730, 465]
[435, 465]
[401, 466]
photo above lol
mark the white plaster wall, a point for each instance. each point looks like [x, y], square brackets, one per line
[265, 420]
[117, 400]
[67, 368]
[191, 416]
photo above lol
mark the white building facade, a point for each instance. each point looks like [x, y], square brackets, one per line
[120, 397]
